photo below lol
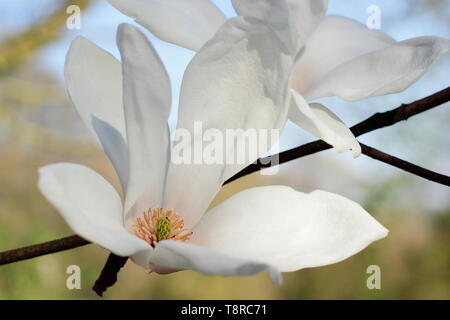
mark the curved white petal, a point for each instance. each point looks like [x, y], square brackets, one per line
[293, 20]
[173, 255]
[335, 41]
[90, 206]
[238, 80]
[94, 82]
[147, 100]
[382, 72]
[187, 23]
[323, 124]
[287, 229]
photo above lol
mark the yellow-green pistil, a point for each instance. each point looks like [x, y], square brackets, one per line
[163, 228]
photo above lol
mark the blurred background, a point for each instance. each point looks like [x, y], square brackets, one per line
[39, 125]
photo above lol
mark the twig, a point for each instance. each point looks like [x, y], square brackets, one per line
[377, 121]
[108, 277]
[405, 165]
[41, 249]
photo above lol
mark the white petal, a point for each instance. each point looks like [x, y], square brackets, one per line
[287, 229]
[90, 206]
[323, 124]
[382, 72]
[187, 23]
[238, 80]
[335, 41]
[293, 20]
[147, 100]
[274, 12]
[307, 14]
[94, 81]
[174, 255]
[142, 258]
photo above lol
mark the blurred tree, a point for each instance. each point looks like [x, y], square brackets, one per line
[19, 48]
[24, 92]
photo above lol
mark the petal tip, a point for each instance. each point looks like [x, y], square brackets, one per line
[356, 151]
[383, 232]
[129, 33]
[125, 29]
[79, 43]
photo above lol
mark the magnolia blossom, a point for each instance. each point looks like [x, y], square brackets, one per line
[164, 223]
[335, 56]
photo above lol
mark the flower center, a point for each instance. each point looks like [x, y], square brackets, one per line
[160, 224]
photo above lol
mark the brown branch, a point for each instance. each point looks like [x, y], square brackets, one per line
[405, 165]
[377, 121]
[41, 249]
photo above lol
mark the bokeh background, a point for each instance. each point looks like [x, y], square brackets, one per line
[38, 126]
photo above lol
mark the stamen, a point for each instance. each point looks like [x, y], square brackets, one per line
[160, 224]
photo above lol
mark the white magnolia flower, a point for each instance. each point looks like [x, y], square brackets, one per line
[162, 224]
[336, 56]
